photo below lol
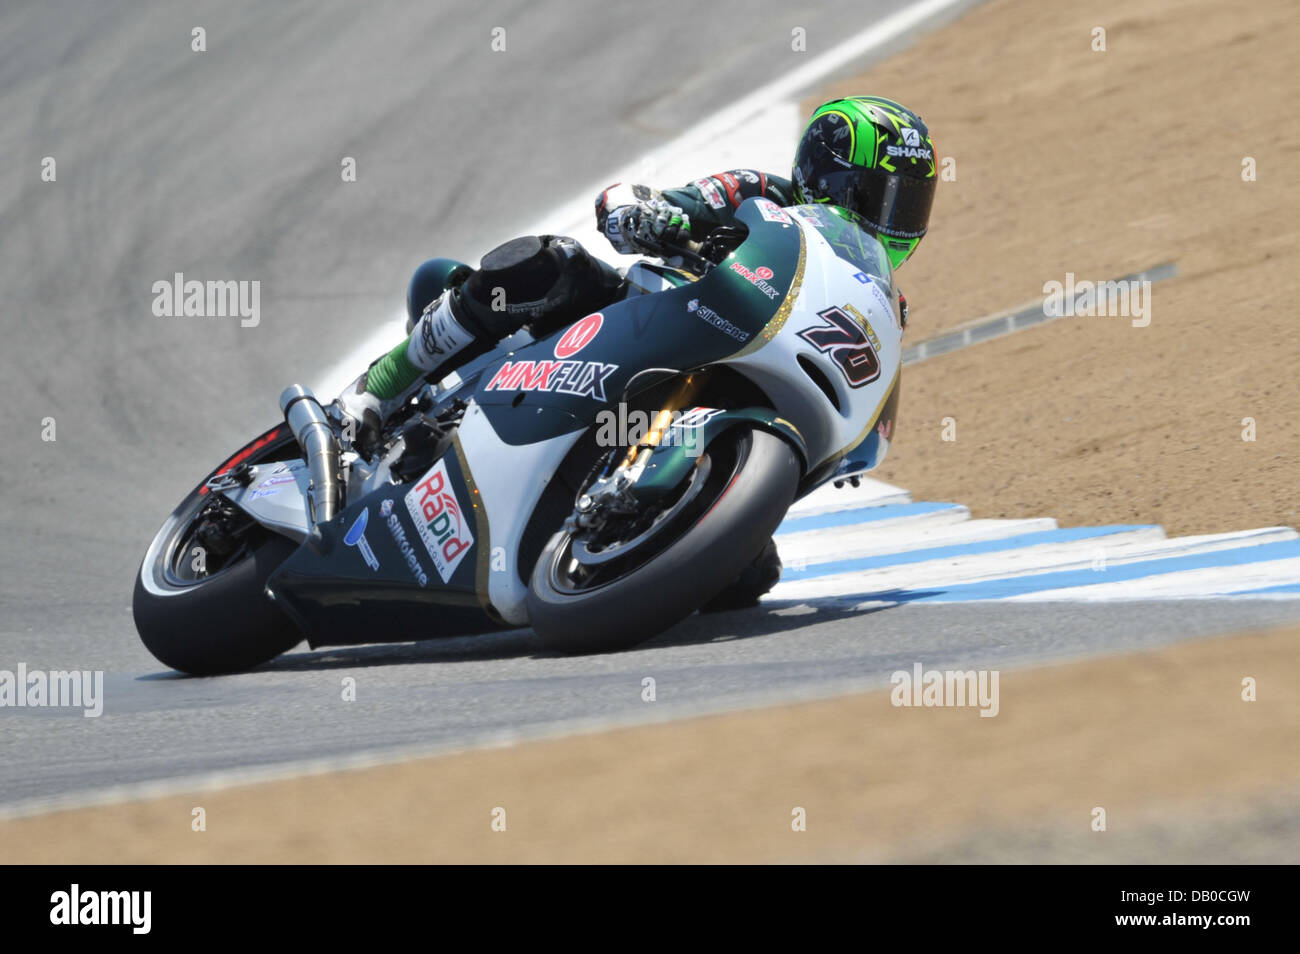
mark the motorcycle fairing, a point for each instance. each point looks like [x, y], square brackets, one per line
[671, 461]
[384, 562]
[684, 327]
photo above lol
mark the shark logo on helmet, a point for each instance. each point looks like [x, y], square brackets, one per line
[911, 147]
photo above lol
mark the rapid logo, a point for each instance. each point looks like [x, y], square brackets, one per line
[580, 334]
[356, 537]
[583, 378]
[758, 278]
[439, 521]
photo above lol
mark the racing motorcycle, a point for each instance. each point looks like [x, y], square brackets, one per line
[598, 483]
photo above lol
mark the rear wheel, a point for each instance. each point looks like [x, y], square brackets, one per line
[598, 591]
[199, 605]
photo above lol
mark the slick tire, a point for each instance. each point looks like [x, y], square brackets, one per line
[225, 624]
[747, 501]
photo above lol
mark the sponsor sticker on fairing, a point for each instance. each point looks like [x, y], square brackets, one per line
[440, 521]
[398, 532]
[580, 334]
[696, 417]
[272, 485]
[705, 313]
[409, 557]
[356, 537]
[771, 212]
[581, 378]
[812, 214]
[866, 325]
[758, 278]
[882, 299]
[881, 296]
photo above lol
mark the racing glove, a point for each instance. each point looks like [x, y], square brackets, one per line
[360, 416]
[647, 224]
[660, 225]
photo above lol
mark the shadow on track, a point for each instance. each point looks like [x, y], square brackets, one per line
[772, 618]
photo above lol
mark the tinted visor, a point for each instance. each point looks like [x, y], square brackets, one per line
[894, 205]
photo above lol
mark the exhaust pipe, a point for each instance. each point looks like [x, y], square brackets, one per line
[307, 420]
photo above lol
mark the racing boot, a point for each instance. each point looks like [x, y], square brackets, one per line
[543, 281]
[443, 339]
[755, 580]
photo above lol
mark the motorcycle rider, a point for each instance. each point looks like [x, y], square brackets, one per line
[862, 155]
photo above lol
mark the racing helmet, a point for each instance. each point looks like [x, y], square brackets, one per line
[873, 157]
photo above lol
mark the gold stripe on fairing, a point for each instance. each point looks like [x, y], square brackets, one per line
[875, 416]
[483, 562]
[777, 321]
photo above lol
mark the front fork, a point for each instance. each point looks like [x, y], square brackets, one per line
[654, 467]
[612, 494]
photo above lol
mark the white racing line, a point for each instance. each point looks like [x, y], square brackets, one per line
[874, 546]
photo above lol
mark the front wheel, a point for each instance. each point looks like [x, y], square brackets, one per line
[199, 606]
[600, 597]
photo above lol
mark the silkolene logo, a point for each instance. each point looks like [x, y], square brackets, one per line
[439, 520]
[580, 334]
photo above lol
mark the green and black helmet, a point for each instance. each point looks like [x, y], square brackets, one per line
[873, 157]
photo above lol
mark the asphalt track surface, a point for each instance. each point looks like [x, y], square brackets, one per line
[225, 164]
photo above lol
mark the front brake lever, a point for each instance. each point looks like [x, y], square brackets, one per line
[690, 256]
